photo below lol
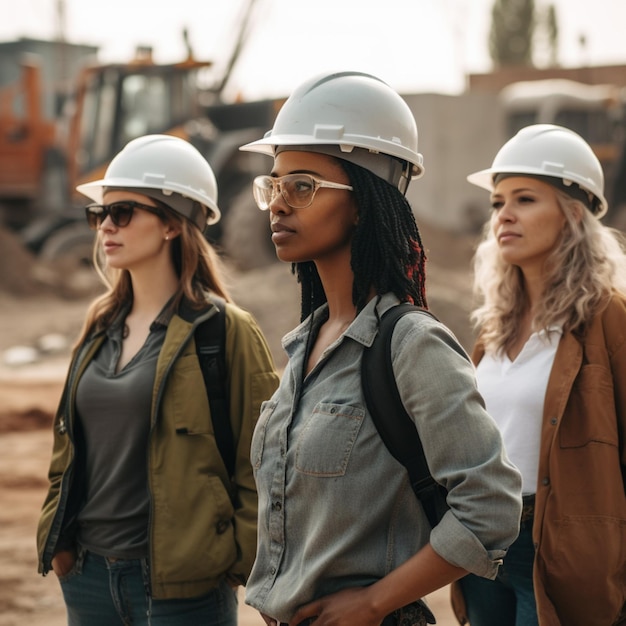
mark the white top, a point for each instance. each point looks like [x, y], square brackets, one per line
[514, 393]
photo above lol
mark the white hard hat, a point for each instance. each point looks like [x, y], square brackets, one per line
[354, 116]
[166, 168]
[553, 151]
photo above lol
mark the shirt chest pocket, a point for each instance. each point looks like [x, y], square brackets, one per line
[327, 438]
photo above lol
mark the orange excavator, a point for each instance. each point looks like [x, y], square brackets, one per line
[42, 161]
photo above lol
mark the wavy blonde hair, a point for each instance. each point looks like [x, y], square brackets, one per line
[197, 265]
[586, 267]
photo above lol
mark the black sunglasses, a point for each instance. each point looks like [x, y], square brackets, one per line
[121, 212]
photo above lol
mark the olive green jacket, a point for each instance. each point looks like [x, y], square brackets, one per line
[202, 524]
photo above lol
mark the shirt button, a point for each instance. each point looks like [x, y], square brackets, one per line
[272, 570]
[222, 527]
[553, 421]
[277, 506]
[545, 481]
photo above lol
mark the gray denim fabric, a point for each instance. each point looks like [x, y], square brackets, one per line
[336, 510]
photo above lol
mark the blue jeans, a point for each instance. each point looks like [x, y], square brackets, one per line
[509, 600]
[100, 592]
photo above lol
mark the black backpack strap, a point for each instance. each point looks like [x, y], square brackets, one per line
[211, 349]
[394, 425]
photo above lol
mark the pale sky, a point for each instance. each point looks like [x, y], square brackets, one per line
[414, 45]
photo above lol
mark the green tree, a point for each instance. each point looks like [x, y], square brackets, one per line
[546, 37]
[552, 27]
[511, 35]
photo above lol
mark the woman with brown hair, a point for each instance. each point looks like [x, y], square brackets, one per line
[145, 521]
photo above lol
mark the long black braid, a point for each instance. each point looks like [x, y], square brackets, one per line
[387, 251]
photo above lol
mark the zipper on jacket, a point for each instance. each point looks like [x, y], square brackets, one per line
[196, 322]
[64, 428]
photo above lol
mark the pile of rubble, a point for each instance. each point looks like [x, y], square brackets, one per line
[18, 267]
[22, 274]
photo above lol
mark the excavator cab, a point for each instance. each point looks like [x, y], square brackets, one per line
[111, 105]
[120, 102]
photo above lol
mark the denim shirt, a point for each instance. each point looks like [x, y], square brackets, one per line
[336, 510]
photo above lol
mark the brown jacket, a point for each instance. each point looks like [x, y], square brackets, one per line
[579, 528]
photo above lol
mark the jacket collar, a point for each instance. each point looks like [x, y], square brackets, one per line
[188, 313]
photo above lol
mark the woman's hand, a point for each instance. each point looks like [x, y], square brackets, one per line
[344, 608]
[422, 574]
[63, 562]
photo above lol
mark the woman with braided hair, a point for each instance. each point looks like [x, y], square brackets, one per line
[386, 248]
[342, 539]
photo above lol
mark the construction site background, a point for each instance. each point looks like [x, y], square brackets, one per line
[43, 300]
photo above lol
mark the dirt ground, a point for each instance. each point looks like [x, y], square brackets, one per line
[41, 313]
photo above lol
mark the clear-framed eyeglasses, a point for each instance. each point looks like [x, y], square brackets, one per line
[297, 190]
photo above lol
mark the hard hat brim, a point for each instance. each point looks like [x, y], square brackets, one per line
[485, 178]
[268, 145]
[95, 191]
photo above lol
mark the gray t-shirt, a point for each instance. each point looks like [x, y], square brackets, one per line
[114, 414]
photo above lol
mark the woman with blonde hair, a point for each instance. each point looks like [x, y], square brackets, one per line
[150, 517]
[551, 365]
